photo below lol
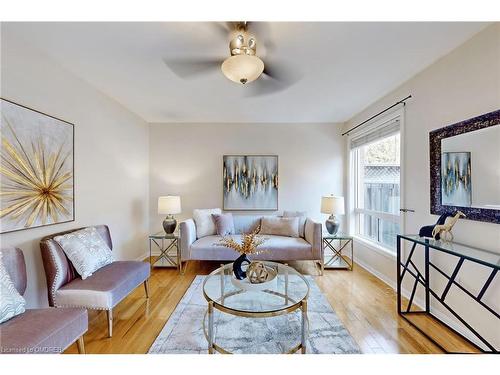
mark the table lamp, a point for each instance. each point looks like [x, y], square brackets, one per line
[332, 206]
[169, 205]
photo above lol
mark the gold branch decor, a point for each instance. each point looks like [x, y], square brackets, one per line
[36, 169]
[249, 243]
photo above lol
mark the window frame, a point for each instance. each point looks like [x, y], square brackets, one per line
[355, 212]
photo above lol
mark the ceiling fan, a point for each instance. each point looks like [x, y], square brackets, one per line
[243, 66]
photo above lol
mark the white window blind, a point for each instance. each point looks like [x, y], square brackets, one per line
[384, 130]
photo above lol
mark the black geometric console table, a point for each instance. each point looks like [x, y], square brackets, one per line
[408, 268]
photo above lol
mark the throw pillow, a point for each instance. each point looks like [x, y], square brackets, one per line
[205, 225]
[86, 250]
[224, 224]
[11, 302]
[302, 215]
[280, 226]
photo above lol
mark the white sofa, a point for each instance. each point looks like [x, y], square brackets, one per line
[278, 248]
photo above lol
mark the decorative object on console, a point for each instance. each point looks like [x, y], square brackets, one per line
[36, 184]
[444, 231]
[249, 244]
[426, 231]
[331, 205]
[169, 205]
[456, 179]
[250, 182]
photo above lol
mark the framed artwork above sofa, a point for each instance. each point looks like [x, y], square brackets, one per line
[250, 182]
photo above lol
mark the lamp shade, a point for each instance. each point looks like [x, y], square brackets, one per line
[242, 68]
[170, 204]
[332, 205]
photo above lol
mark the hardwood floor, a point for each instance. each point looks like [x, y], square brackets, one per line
[366, 306]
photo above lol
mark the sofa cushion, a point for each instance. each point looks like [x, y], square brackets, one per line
[246, 223]
[106, 287]
[302, 215]
[48, 330]
[86, 250]
[280, 226]
[11, 302]
[276, 248]
[205, 225]
[224, 224]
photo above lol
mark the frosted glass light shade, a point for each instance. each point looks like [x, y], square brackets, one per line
[332, 205]
[170, 204]
[242, 68]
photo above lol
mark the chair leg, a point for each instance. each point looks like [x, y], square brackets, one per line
[81, 345]
[146, 287]
[321, 266]
[110, 322]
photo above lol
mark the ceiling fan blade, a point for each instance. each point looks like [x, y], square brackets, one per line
[224, 29]
[264, 85]
[189, 68]
[262, 32]
[275, 78]
[279, 71]
[221, 28]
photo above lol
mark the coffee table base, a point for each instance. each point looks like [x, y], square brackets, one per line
[210, 336]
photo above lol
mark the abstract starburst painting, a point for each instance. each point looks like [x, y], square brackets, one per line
[36, 169]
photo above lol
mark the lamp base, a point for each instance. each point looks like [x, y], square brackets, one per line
[332, 225]
[169, 224]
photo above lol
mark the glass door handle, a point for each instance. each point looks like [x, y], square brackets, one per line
[406, 210]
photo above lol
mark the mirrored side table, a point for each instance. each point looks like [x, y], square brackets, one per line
[336, 254]
[168, 244]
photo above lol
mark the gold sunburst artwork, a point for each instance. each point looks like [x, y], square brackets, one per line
[36, 169]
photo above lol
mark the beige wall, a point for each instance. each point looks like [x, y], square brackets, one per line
[111, 157]
[461, 85]
[186, 159]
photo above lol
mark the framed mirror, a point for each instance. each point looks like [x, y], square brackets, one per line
[465, 168]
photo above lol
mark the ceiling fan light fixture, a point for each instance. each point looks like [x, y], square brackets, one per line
[242, 68]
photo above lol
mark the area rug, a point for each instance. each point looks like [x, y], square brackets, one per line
[183, 332]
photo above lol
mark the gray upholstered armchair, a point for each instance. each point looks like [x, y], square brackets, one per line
[101, 291]
[38, 331]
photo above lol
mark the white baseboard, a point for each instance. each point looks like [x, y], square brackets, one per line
[144, 256]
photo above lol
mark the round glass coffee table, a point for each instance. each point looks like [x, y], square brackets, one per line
[287, 293]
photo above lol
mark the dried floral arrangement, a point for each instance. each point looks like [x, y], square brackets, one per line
[249, 242]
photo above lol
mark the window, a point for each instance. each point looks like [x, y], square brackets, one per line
[376, 190]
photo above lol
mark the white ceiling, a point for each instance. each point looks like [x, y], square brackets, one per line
[344, 66]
